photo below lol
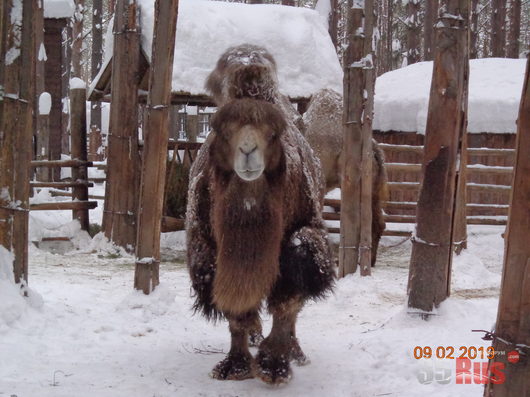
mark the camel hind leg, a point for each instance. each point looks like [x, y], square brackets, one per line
[237, 365]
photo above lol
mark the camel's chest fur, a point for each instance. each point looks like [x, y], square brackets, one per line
[248, 230]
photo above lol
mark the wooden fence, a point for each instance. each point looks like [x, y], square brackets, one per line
[489, 176]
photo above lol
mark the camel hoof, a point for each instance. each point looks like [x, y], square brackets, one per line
[272, 370]
[297, 354]
[233, 367]
[255, 338]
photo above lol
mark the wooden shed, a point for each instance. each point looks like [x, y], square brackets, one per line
[296, 37]
[401, 103]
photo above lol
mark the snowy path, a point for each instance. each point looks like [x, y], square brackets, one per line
[97, 338]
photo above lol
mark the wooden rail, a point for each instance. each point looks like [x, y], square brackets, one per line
[64, 205]
[61, 163]
[61, 184]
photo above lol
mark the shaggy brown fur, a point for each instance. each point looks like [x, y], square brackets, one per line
[323, 130]
[260, 240]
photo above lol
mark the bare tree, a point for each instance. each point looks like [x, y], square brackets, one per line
[77, 39]
[514, 31]
[413, 31]
[431, 11]
[97, 53]
[498, 28]
[473, 35]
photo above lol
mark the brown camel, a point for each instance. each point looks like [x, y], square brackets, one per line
[254, 220]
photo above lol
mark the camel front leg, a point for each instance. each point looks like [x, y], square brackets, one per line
[237, 365]
[277, 350]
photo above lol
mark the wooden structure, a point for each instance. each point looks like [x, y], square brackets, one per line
[154, 154]
[17, 77]
[512, 331]
[430, 264]
[356, 214]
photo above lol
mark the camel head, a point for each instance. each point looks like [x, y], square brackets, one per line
[247, 138]
[244, 71]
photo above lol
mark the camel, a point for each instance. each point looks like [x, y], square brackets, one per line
[255, 233]
[323, 130]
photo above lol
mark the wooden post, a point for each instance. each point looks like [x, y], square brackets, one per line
[356, 212]
[154, 156]
[17, 77]
[121, 202]
[460, 221]
[365, 209]
[43, 134]
[430, 263]
[53, 84]
[352, 121]
[513, 318]
[79, 147]
[39, 77]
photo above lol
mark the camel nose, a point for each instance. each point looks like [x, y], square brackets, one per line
[247, 149]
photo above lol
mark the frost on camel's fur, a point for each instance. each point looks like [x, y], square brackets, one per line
[254, 220]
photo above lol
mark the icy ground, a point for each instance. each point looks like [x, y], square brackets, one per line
[93, 336]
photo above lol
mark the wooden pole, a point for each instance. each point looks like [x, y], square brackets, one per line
[154, 156]
[365, 245]
[352, 144]
[513, 318]
[43, 135]
[430, 263]
[121, 202]
[16, 123]
[79, 148]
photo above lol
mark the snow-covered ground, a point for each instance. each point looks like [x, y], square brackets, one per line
[92, 335]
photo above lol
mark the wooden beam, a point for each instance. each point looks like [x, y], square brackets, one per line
[513, 324]
[430, 264]
[61, 184]
[170, 224]
[121, 193]
[154, 155]
[61, 163]
[64, 205]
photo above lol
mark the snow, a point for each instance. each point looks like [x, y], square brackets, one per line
[42, 53]
[76, 83]
[296, 37]
[323, 7]
[95, 335]
[59, 9]
[45, 103]
[495, 86]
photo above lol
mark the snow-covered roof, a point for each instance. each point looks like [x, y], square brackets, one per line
[58, 9]
[495, 86]
[296, 37]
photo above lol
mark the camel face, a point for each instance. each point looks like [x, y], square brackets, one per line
[247, 140]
